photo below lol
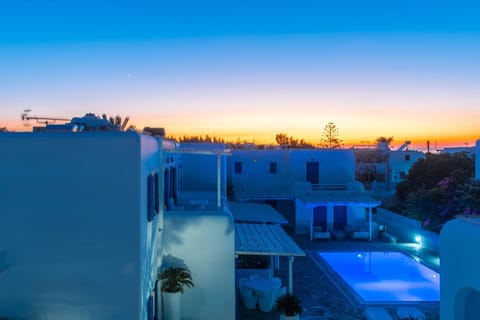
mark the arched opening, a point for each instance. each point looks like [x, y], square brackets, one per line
[466, 304]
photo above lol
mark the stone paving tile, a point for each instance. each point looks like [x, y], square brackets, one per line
[321, 297]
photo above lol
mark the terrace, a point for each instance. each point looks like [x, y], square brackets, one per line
[325, 296]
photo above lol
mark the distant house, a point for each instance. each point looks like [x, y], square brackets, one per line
[452, 150]
[381, 170]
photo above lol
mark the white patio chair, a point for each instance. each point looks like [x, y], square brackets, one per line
[266, 300]
[248, 298]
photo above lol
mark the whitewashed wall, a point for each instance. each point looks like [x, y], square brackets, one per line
[205, 240]
[406, 229]
[399, 163]
[199, 172]
[74, 240]
[335, 166]
[460, 262]
[302, 218]
[256, 177]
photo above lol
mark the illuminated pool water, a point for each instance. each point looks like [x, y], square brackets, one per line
[385, 276]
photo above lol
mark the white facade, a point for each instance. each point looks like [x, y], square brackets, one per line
[311, 178]
[199, 230]
[205, 240]
[274, 173]
[198, 167]
[400, 162]
[76, 240]
[246, 166]
[460, 262]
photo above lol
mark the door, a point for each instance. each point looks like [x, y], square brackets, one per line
[320, 217]
[312, 172]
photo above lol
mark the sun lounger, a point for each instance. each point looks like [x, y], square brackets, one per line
[375, 313]
[405, 312]
[360, 235]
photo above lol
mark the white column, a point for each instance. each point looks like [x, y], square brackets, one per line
[311, 222]
[290, 274]
[330, 217]
[219, 180]
[370, 223]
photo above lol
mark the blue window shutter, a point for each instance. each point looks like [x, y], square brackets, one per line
[156, 196]
[150, 308]
[150, 197]
[155, 302]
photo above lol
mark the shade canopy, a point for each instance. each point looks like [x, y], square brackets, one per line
[255, 212]
[264, 239]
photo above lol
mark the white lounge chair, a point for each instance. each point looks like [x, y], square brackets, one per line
[405, 312]
[320, 233]
[375, 313]
[360, 235]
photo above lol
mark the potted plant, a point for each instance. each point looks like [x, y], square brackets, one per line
[173, 281]
[289, 307]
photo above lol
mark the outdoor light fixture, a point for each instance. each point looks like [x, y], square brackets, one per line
[418, 239]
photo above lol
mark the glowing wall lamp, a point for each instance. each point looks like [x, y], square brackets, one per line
[418, 240]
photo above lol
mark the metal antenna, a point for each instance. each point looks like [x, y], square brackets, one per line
[25, 116]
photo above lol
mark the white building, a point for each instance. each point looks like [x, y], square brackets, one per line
[382, 170]
[319, 184]
[80, 225]
[399, 163]
[87, 218]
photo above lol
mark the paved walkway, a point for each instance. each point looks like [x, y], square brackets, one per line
[321, 297]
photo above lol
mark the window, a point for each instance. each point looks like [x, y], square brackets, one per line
[407, 157]
[312, 168]
[402, 175]
[273, 167]
[238, 167]
[153, 205]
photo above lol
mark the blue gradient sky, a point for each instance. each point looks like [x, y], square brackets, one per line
[243, 69]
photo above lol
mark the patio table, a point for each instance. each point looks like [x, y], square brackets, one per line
[262, 285]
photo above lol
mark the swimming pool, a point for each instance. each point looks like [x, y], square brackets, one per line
[385, 276]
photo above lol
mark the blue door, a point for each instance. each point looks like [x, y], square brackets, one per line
[339, 217]
[312, 172]
[320, 217]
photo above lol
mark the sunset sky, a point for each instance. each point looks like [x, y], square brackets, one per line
[249, 69]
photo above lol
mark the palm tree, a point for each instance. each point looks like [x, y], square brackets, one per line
[117, 122]
[383, 143]
[175, 279]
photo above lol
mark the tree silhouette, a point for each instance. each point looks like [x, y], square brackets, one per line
[383, 143]
[117, 122]
[284, 141]
[330, 137]
[3, 129]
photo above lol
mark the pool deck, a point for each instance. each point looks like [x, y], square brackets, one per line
[322, 294]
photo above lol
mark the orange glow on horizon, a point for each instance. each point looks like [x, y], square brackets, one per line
[263, 132]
